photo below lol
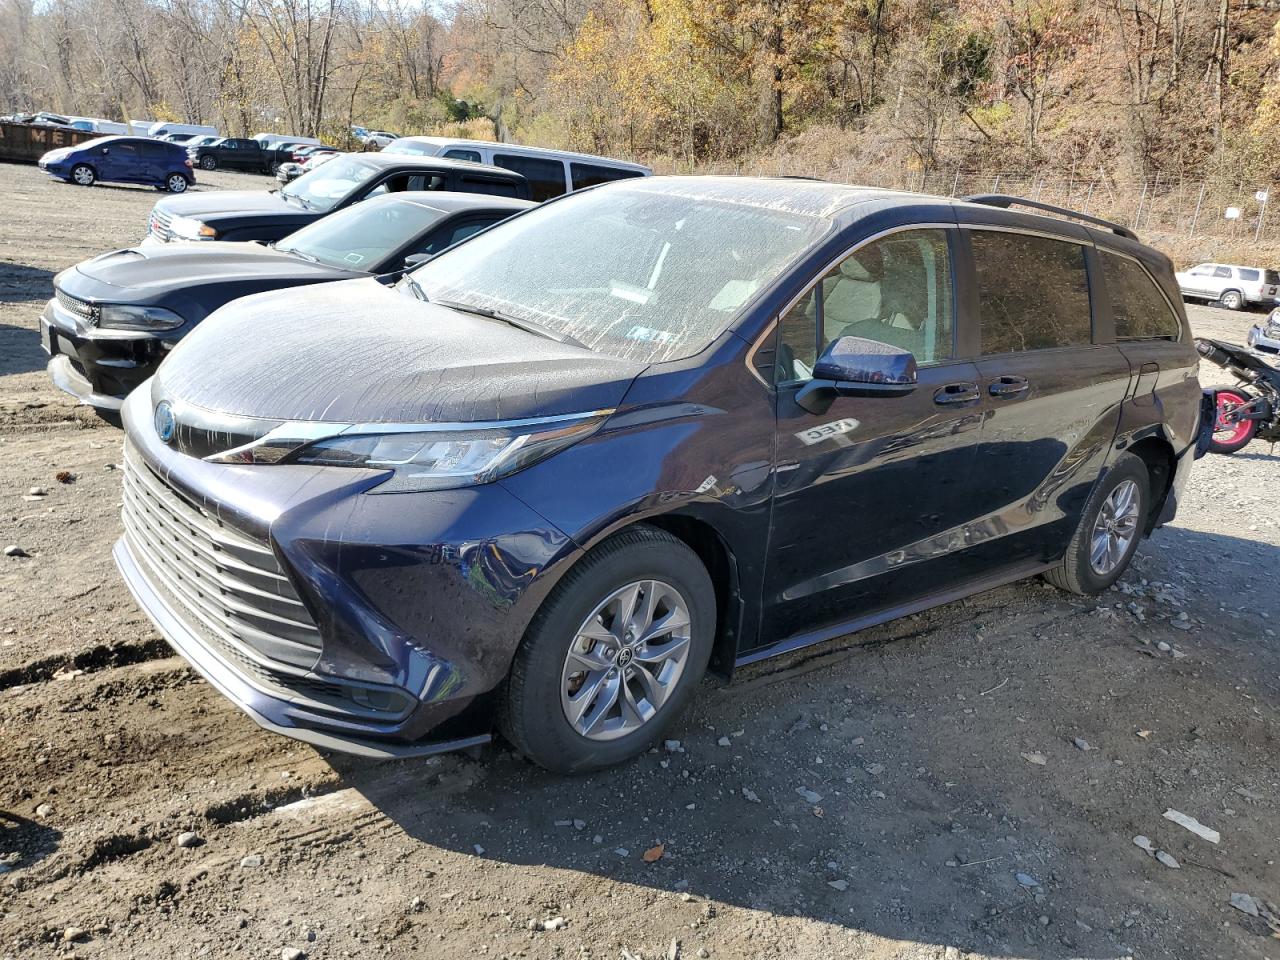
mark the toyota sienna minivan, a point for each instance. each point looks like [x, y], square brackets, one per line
[546, 481]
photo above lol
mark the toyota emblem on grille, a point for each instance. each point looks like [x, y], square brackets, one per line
[165, 424]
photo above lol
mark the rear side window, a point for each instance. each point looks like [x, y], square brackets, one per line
[492, 188]
[1247, 274]
[1033, 292]
[590, 174]
[546, 177]
[472, 155]
[1140, 310]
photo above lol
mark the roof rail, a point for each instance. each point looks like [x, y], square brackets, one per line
[1005, 201]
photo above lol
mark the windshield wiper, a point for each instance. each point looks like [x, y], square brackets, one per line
[414, 287]
[294, 251]
[306, 204]
[528, 326]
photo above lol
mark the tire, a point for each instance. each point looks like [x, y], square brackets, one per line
[1076, 573]
[1232, 300]
[275, 167]
[175, 183]
[534, 706]
[1231, 439]
[208, 163]
[83, 175]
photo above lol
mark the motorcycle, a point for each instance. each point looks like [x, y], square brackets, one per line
[1251, 409]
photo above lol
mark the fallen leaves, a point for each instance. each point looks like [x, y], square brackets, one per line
[654, 854]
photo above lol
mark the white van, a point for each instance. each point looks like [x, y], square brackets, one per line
[189, 129]
[549, 172]
[94, 125]
[271, 139]
[141, 128]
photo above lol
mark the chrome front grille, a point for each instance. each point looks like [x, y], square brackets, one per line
[83, 309]
[235, 597]
[228, 581]
[160, 225]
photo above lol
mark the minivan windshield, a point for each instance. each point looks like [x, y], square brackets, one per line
[363, 235]
[636, 271]
[323, 187]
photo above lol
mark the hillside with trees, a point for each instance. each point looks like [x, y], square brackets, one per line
[1115, 91]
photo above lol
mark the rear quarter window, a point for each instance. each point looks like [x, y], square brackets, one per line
[1250, 275]
[546, 177]
[1140, 310]
[1033, 292]
[591, 174]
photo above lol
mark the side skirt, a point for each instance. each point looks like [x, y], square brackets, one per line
[966, 588]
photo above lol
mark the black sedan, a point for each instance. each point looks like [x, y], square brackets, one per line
[114, 318]
[262, 215]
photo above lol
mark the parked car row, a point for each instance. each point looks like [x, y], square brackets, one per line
[444, 462]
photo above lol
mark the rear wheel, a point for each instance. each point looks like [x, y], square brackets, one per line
[208, 163]
[1109, 530]
[1230, 435]
[613, 656]
[176, 183]
[275, 167]
[83, 174]
[1232, 300]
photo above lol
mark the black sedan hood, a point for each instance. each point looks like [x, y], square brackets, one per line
[361, 352]
[149, 270]
[228, 201]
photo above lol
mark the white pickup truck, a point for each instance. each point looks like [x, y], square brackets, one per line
[1231, 286]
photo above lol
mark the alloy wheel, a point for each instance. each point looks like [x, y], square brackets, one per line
[625, 660]
[1115, 528]
[177, 184]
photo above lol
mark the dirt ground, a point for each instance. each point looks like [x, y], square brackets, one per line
[919, 790]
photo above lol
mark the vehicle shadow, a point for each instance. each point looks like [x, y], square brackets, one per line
[881, 783]
[20, 283]
[20, 350]
[30, 840]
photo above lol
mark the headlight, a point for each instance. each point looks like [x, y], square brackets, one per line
[189, 228]
[127, 317]
[419, 459]
[443, 460]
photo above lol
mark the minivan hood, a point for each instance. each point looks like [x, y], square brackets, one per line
[153, 269]
[360, 352]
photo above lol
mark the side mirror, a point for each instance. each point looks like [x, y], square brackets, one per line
[858, 367]
[414, 260]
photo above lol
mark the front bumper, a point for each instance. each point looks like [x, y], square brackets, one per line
[300, 597]
[98, 368]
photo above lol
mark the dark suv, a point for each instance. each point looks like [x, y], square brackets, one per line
[654, 426]
[263, 215]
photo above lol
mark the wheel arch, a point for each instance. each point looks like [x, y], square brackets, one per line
[1161, 461]
[721, 562]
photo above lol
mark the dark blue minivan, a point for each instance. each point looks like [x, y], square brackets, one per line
[165, 166]
[546, 480]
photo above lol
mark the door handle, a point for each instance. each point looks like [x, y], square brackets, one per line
[1008, 386]
[957, 393]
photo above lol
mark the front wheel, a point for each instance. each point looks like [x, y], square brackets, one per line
[1109, 529]
[1233, 300]
[83, 174]
[613, 656]
[1230, 435]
